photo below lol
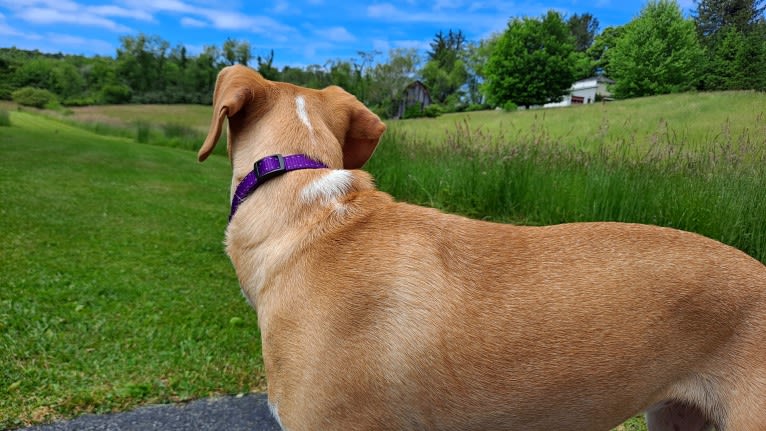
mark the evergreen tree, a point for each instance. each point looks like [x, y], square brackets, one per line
[715, 16]
[445, 72]
[732, 32]
[584, 28]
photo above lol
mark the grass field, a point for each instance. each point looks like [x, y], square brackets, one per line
[694, 119]
[114, 287]
[115, 290]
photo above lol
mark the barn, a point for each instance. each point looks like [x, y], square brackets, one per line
[415, 94]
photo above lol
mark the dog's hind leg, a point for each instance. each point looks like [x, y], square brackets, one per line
[677, 416]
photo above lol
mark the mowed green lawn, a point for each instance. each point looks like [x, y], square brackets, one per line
[114, 286]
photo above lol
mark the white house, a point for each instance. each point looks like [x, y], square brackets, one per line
[584, 92]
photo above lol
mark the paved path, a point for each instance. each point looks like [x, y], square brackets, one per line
[250, 412]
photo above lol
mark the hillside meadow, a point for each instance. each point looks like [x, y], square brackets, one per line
[116, 291]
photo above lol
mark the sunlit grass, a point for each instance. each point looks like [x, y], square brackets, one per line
[114, 288]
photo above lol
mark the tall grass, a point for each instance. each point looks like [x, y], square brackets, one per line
[5, 119]
[716, 188]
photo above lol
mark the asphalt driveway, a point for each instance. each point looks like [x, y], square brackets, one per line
[249, 412]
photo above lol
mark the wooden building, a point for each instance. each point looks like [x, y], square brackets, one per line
[416, 94]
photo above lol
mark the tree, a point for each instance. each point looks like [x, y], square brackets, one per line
[388, 80]
[265, 67]
[732, 33]
[658, 53]
[584, 29]
[714, 16]
[445, 71]
[600, 50]
[236, 52]
[476, 57]
[737, 61]
[532, 62]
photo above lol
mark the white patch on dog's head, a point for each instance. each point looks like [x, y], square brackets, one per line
[303, 115]
[300, 109]
[328, 188]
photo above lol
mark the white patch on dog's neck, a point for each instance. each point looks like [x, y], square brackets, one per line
[300, 109]
[328, 189]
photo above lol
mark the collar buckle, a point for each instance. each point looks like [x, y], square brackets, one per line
[267, 170]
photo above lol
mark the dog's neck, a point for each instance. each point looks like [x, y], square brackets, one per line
[285, 129]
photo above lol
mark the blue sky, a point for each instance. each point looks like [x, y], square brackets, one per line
[301, 32]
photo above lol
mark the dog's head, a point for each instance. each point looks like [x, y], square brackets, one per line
[330, 125]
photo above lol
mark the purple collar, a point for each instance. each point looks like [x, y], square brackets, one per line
[266, 169]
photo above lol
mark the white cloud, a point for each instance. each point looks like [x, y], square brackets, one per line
[38, 15]
[280, 6]
[337, 34]
[117, 11]
[239, 21]
[382, 10]
[416, 44]
[381, 45]
[93, 45]
[193, 23]
[447, 4]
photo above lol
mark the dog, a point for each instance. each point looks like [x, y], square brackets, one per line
[381, 315]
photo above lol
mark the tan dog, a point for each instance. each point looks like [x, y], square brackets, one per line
[379, 315]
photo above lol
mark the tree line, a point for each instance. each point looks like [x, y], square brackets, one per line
[722, 46]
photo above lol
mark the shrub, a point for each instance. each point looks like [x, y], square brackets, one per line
[510, 107]
[413, 111]
[143, 129]
[116, 93]
[434, 110]
[5, 118]
[35, 97]
[475, 107]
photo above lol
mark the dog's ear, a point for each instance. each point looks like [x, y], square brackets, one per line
[363, 135]
[235, 87]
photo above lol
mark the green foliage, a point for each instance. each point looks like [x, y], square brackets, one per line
[476, 57]
[658, 53]
[35, 97]
[473, 107]
[532, 63]
[5, 118]
[116, 93]
[413, 111]
[433, 110]
[584, 29]
[445, 72]
[602, 47]
[715, 16]
[733, 33]
[143, 129]
[390, 79]
[510, 107]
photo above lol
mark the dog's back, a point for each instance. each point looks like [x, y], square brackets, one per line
[419, 315]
